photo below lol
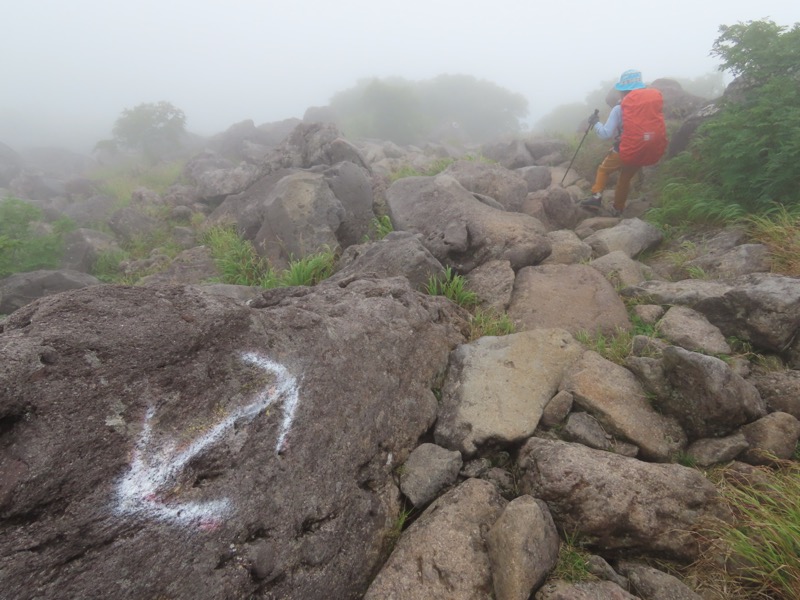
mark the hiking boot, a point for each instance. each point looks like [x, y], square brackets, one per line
[593, 201]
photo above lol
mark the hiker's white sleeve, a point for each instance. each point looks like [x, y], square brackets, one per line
[612, 126]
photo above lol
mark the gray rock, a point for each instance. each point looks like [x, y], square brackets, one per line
[620, 269]
[567, 248]
[460, 231]
[190, 266]
[537, 177]
[780, 390]
[428, 470]
[689, 329]
[573, 297]
[493, 282]
[712, 451]
[583, 428]
[128, 224]
[597, 566]
[651, 584]
[773, 435]
[511, 154]
[523, 547]
[83, 247]
[496, 388]
[619, 504]
[631, 236]
[206, 426]
[398, 254]
[708, 398]
[649, 313]
[23, 288]
[590, 590]
[615, 397]
[505, 186]
[443, 553]
[557, 409]
[301, 217]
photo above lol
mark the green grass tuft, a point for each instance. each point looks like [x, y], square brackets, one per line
[453, 287]
[763, 542]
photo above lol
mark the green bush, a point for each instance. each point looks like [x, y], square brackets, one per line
[21, 249]
[743, 160]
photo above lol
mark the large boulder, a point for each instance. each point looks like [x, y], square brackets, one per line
[443, 554]
[616, 398]
[707, 397]
[458, 229]
[497, 387]
[503, 185]
[574, 297]
[301, 217]
[618, 504]
[313, 144]
[398, 254]
[145, 425]
[762, 308]
[23, 288]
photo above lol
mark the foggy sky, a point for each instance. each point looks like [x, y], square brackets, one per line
[70, 68]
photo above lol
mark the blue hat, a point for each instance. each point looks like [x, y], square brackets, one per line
[630, 80]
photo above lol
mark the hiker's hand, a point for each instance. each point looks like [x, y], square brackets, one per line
[594, 118]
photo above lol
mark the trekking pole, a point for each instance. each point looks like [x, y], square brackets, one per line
[596, 113]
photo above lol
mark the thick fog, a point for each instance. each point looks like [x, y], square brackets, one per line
[70, 68]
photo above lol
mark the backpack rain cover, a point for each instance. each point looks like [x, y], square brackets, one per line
[644, 134]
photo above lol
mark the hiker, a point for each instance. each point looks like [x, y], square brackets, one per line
[636, 124]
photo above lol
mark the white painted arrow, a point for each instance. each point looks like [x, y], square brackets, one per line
[154, 470]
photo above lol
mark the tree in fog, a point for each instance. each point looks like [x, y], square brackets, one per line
[449, 106]
[154, 129]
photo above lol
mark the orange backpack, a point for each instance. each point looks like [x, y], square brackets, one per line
[644, 134]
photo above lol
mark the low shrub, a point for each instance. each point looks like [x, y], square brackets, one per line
[22, 249]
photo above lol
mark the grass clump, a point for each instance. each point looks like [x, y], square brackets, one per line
[380, 227]
[121, 180]
[573, 561]
[21, 248]
[615, 348]
[107, 265]
[763, 541]
[453, 287]
[309, 270]
[240, 264]
[236, 258]
[488, 322]
[779, 231]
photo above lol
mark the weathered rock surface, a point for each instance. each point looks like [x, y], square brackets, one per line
[459, 230]
[617, 503]
[506, 187]
[617, 399]
[523, 547]
[631, 236]
[651, 584]
[497, 387]
[573, 297]
[142, 426]
[707, 398]
[443, 553]
[428, 470]
[398, 254]
[689, 329]
[23, 288]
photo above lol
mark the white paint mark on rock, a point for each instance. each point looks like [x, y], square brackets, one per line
[155, 467]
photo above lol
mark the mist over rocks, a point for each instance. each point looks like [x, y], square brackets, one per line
[185, 438]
